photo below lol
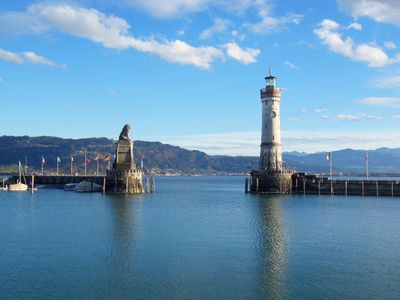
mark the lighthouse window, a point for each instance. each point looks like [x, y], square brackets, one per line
[273, 137]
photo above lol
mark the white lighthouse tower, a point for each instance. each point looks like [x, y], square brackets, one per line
[271, 149]
[271, 177]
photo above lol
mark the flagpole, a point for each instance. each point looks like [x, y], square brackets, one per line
[85, 164]
[71, 165]
[97, 170]
[57, 165]
[42, 167]
[329, 157]
[366, 164]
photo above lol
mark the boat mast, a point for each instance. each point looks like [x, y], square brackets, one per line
[19, 171]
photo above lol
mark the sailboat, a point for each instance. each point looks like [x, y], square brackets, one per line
[19, 186]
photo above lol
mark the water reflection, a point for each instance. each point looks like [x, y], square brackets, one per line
[270, 246]
[124, 213]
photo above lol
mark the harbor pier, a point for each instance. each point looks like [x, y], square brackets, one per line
[311, 184]
[58, 180]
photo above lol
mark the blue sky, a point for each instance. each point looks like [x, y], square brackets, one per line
[188, 72]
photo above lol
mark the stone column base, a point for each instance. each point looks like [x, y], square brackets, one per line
[124, 182]
[271, 182]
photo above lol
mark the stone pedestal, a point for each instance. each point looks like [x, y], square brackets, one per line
[129, 182]
[124, 177]
[271, 182]
[124, 160]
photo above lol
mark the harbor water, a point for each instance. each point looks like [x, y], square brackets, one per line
[198, 238]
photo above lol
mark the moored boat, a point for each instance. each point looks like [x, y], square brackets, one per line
[88, 187]
[19, 186]
[69, 187]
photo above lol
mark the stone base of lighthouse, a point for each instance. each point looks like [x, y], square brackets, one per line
[272, 182]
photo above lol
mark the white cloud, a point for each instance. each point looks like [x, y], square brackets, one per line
[113, 93]
[180, 52]
[303, 110]
[270, 24]
[327, 32]
[246, 56]
[312, 141]
[238, 35]
[294, 119]
[388, 82]
[27, 57]
[10, 56]
[169, 8]
[355, 26]
[111, 32]
[320, 110]
[176, 8]
[37, 59]
[350, 117]
[380, 101]
[386, 11]
[230, 143]
[396, 117]
[290, 65]
[219, 26]
[248, 143]
[390, 45]
[306, 44]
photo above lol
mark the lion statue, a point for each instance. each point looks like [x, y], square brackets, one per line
[124, 136]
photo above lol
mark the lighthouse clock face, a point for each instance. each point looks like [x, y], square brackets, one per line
[273, 114]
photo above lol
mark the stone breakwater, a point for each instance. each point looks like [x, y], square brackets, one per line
[311, 184]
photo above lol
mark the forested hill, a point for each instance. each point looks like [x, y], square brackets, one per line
[157, 157]
[161, 158]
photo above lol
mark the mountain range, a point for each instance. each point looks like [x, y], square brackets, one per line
[161, 158]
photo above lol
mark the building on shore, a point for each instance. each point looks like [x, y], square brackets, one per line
[271, 176]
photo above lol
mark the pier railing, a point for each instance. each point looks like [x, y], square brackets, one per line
[361, 187]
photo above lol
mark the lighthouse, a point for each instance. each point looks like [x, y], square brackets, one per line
[271, 176]
[271, 148]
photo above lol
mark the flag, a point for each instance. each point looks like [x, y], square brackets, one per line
[72, 158]
[141, 163]
[58, 159]
[366, 155]
[88, 160]
[107, 157]
[96, 158]
[43, 160]
[329, 156]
